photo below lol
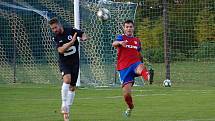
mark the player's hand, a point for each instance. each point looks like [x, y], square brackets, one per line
[74, 38]
[84, 37]
[123, 43]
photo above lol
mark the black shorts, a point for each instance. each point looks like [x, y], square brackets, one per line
[70, 69]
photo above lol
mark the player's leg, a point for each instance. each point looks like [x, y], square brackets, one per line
[71, 96]
[127, 80]
[74, 76]
[71, 93]
[64, 94]
[64, 91]
[142, 70]
[69, 101]
[127, 95]
[128, 98]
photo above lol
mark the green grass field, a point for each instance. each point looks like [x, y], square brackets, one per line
[28, 102]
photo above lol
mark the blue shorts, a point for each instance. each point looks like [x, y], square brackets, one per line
[127, 75]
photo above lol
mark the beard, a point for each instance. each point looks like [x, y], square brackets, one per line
[58, 32]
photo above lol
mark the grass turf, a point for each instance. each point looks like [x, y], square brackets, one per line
[28, 102]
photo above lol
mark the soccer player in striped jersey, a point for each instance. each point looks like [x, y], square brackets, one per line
[129, 62]
[67, 46]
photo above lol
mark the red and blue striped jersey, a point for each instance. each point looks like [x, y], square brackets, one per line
[130, 54]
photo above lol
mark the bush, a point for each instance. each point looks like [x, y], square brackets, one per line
[206, 50]
[154, 55]
[177, 55]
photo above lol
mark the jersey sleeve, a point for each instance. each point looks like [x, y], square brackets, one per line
[79, 32]
[119, 38]
[58, 42]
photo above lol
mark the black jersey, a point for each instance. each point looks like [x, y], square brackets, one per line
[70, 56]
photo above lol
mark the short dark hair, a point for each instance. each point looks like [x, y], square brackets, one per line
[128, 22]
[54, 21]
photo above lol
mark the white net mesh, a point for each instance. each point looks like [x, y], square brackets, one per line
[97, 54]
[190, 38]
[192, 41]
[29, 55]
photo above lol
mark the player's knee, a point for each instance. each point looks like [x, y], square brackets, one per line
[127, 89]
[67, 78]
[127, 93]
[139, 69]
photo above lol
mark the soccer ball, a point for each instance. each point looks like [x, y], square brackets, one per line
[167, 83]
[103, 14]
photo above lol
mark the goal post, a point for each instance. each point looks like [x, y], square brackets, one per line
[77, 26]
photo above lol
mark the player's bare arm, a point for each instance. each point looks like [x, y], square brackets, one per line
[118, 44]
[66, 46]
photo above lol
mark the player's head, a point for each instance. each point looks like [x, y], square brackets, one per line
[128, 27]
[56, 26]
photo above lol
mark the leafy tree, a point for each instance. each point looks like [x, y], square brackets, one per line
[205, 25]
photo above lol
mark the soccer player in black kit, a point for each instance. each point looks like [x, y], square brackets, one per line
[67, 47]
